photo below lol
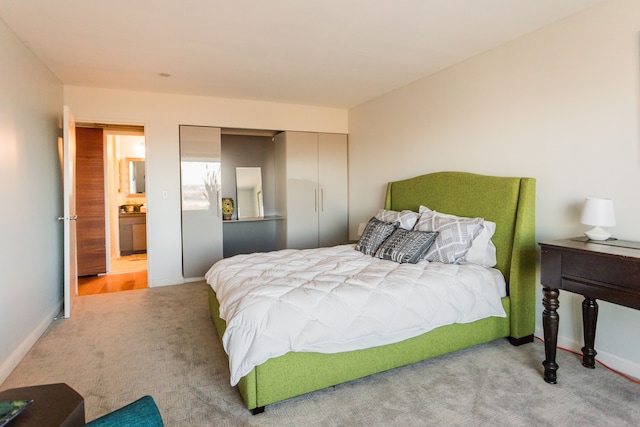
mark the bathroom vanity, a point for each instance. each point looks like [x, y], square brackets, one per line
[133, 233]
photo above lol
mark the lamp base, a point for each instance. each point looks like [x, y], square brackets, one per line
[597, 233]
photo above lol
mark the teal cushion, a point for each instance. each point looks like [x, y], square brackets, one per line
[141, 413]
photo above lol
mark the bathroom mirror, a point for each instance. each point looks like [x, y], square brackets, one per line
[133, 176]
[249, 192]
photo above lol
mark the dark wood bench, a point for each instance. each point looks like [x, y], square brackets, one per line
[54, 405]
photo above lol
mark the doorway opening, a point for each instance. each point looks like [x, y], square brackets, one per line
[112, 192]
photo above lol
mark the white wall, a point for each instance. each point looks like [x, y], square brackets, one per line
[30, 235]
[161, 114]
[559, 105]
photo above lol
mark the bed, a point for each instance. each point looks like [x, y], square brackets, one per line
[506, 201]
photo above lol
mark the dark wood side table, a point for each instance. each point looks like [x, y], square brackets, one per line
[607, 270]
[54, 405]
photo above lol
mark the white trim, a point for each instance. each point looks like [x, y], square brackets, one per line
[23, 348]
[193, 279]
[167, 282]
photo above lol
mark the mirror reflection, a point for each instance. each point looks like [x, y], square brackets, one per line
[249, 192]
[132, 176]
[136, 177]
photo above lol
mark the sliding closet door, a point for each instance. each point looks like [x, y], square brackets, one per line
[311, 189]
[297, 159]
[200, 155]
[333, 221]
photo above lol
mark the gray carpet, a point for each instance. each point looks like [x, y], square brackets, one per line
[161, 341]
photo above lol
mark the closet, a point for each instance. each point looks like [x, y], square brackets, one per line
[311, 189]
[248, 157]
[303, 192]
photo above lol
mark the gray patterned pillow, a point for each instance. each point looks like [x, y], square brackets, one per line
[405, 246]
[455, 235]
[406, 218]
[374, 234]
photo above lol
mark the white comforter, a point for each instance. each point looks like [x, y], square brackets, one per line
[337, 299]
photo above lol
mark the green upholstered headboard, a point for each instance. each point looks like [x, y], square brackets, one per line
[509, 202]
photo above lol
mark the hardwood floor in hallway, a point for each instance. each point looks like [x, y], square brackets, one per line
[128, 273]
[91, 285]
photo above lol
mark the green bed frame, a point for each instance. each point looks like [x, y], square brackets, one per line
[510, 203]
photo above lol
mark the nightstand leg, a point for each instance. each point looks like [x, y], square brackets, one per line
[589, 319]
[550, 322]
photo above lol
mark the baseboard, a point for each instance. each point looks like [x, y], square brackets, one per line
[624, 366]
[175, 281]
[166, 282]
[617, 363]
[194, 279]
[18, 354]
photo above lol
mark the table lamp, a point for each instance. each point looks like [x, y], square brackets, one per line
[599, 213]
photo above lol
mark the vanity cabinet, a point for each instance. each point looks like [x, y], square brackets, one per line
[133, 233]
[311, 189]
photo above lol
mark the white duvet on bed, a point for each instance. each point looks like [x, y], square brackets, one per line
[337, 299]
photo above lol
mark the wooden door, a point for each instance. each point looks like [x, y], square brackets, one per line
[90, 200]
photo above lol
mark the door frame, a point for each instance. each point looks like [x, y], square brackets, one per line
[70, 280]
[112, 176]
[113, 187]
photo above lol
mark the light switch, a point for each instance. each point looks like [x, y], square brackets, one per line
[165, 195]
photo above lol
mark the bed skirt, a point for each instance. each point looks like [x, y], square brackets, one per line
[298, 373]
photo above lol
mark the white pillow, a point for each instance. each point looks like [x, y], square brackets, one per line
[482, 250]
[406, 218]
[456, 237]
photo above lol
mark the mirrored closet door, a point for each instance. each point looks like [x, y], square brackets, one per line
[200, 160]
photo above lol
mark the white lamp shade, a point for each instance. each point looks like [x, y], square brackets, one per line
[598, 212]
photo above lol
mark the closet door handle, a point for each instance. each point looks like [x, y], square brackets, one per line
[315, 199]
[218, 204]
[321, 199]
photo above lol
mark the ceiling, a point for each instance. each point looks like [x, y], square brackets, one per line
[333, 53]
